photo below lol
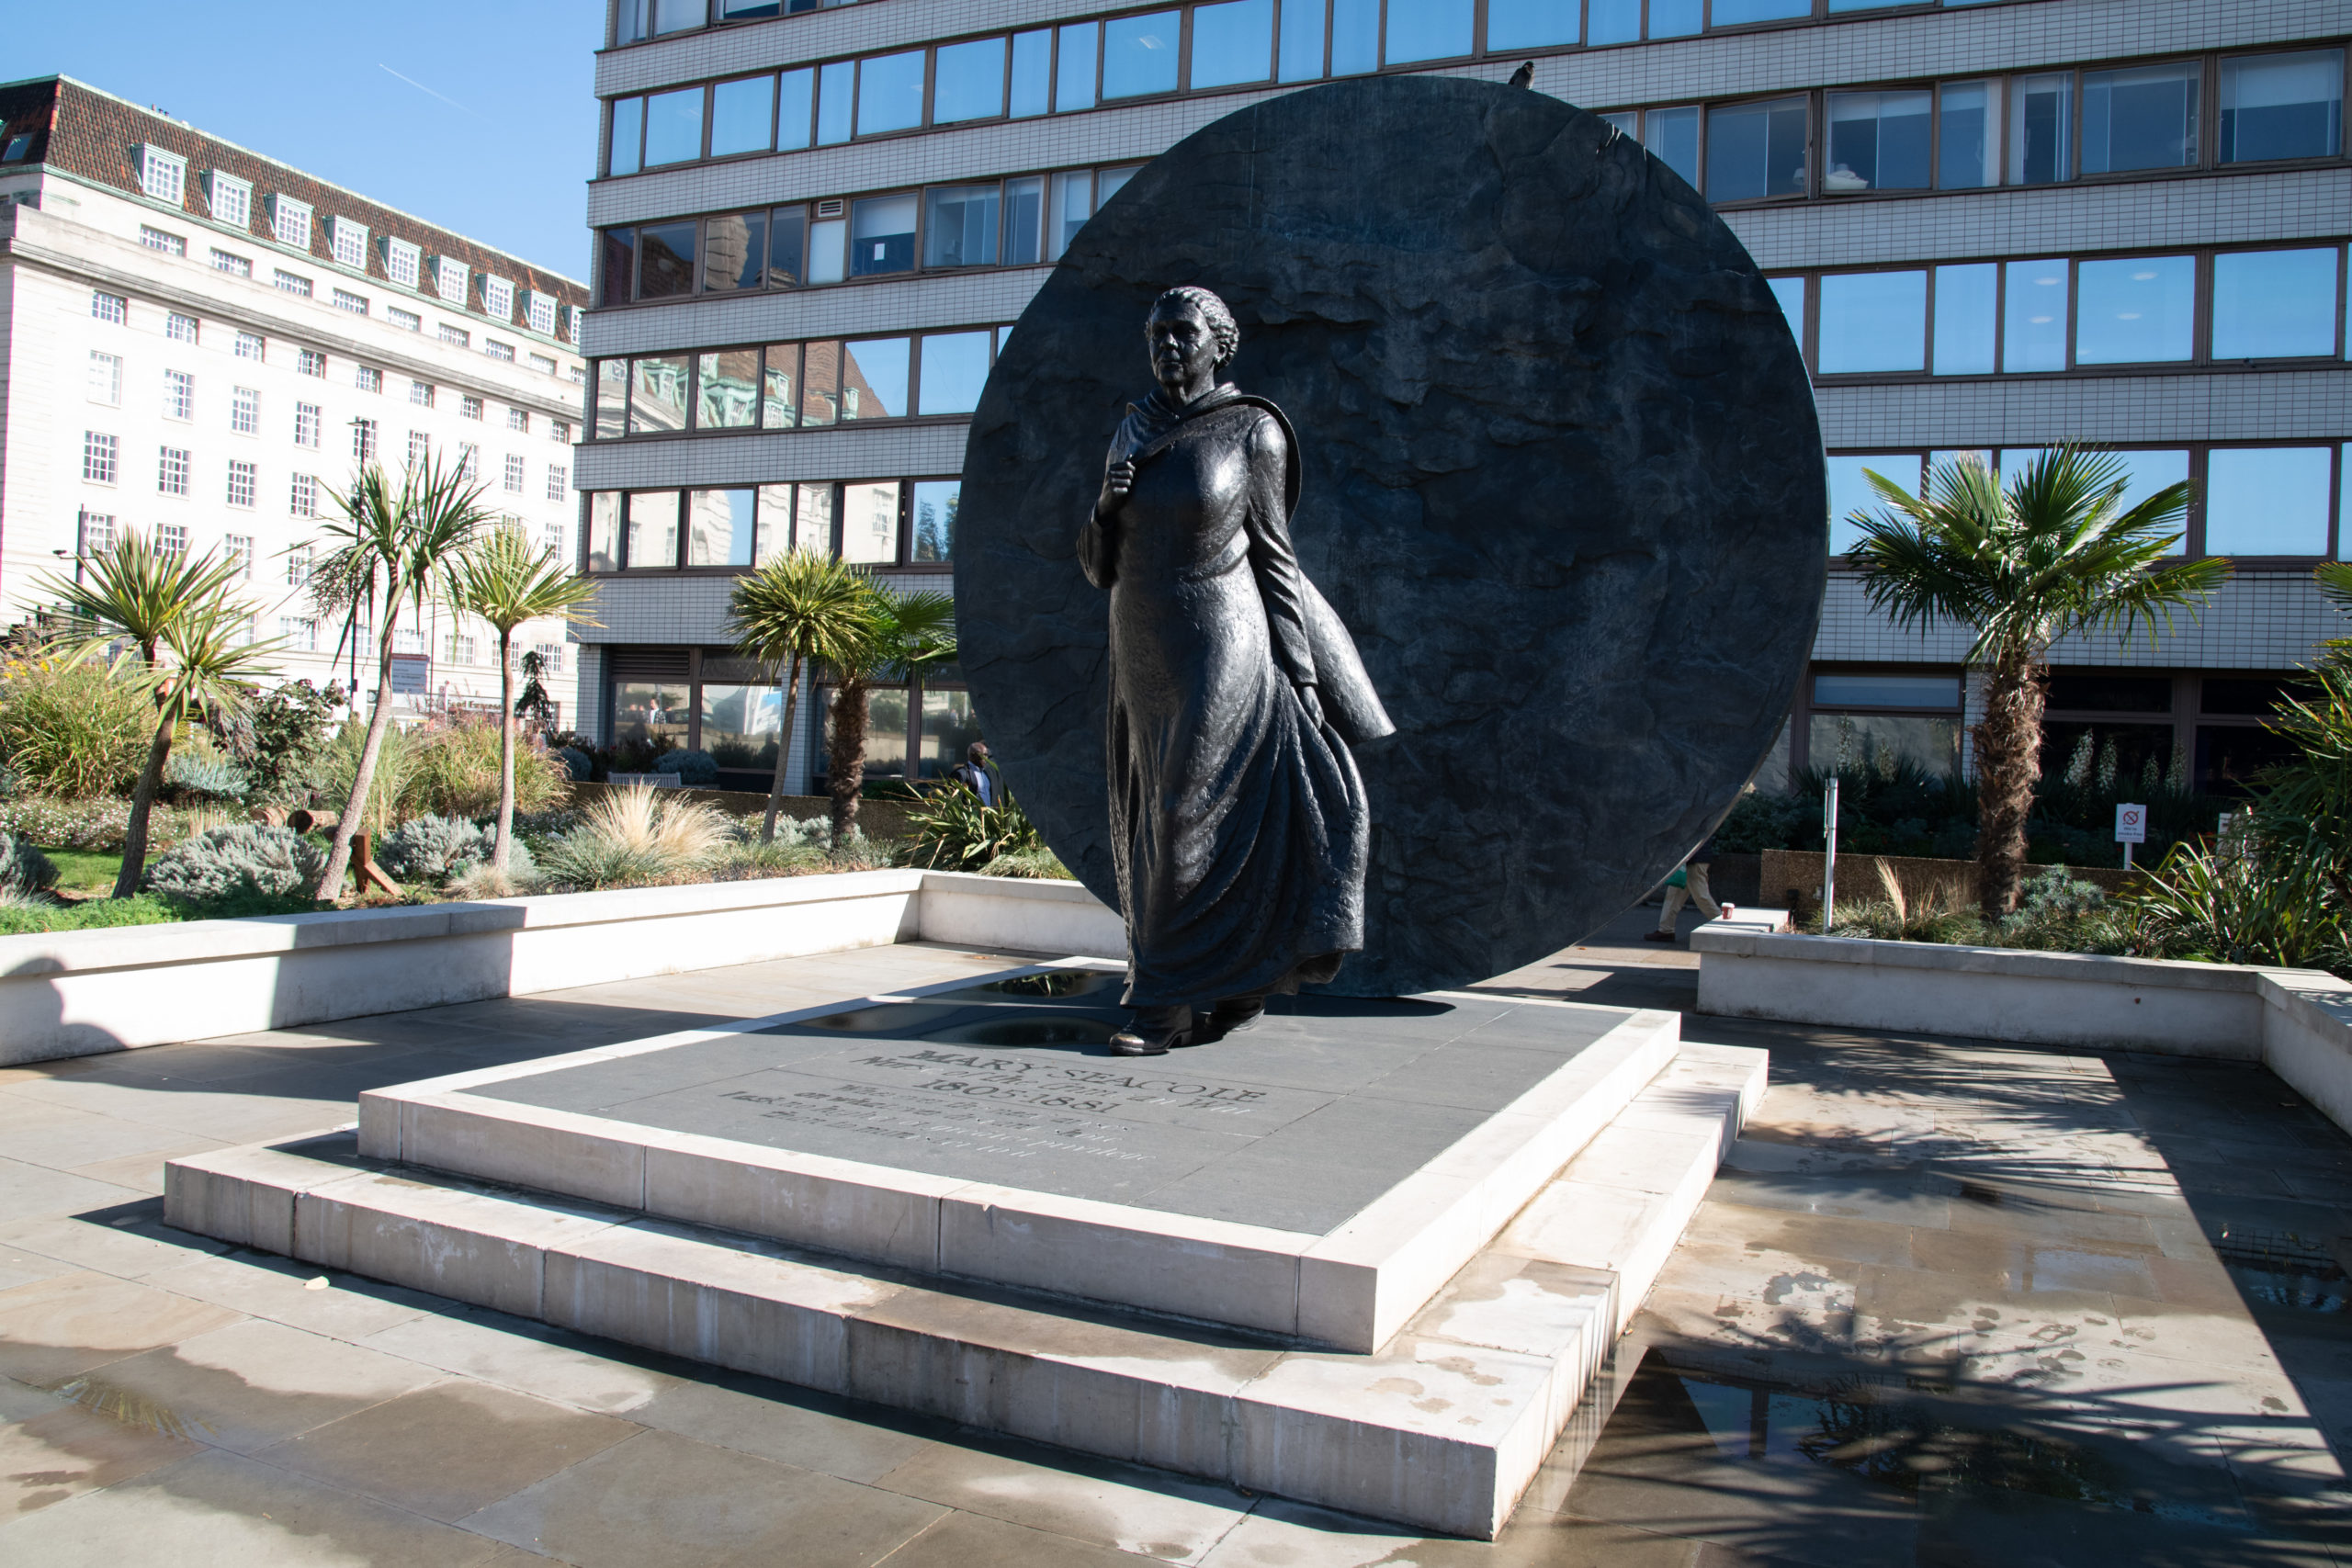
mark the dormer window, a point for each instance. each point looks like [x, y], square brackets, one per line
[162, 176]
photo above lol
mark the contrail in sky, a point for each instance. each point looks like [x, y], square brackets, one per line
[430, 93]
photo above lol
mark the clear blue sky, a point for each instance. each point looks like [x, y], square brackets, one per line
[487, 128]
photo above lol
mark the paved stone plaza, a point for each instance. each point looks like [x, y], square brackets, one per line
[1949, 1303]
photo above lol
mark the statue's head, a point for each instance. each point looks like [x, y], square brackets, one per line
[1192, 337]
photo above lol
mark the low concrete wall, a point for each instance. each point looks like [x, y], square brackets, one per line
[77, 993]
[2296, 1021]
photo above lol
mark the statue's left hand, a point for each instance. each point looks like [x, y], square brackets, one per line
[1312, 704]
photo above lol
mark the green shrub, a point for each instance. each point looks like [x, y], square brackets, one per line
[953, 831]
[287, 737]
[68, 824]
[1040, 863]
[432, 849]
[192, 776]
[244, 859]
[696, 770]
[2276, 910]
[91, 914]
[24, 869]
[456, 771]
[577, 764]
[76, 733]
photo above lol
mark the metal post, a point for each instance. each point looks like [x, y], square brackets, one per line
[1829, 860]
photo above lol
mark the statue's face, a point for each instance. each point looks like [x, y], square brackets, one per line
[1183, 349]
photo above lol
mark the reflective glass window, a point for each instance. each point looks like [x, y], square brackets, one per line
[2140, 118]
[1073, 205]
[773, 536]
[836, 101]
[780, 385]
[970, 83]
[1790, 292]
[1139, 54]
[870, 523]
[1871, 691]
[2033, 316]
[1356, 36]
[1731, 13]
[749, 10]
[1850, 491]
[1877, 142]
[812, 519]
[889, 92]
[821, 383]
[2267, 500]
[1675, 19]
[645, 709]
[2146, 473]
[657, 400]
[1612, 21]
[1755, 149]
[1024, 219]
[1673, 135]
[882, 235]
[1965, 297]
[874, 378]
[1233, 42]
[1874, 321]
[1529, 23]
[1302, 52]
[2279, 106]
[960, 228]
[795, 106]
[2041, 129]
[739, 725]
[1428, 29]
[652, 531]
[726, 390]
[949, 728]
[1873, 741]
[828, 247]
[719, 527]
[1108, 183]
[1033, 79]
[673, 127]
[629, 128]
[2137, 308]
[955, 368]
[1968, 114]
[666, 259]
[617, 265]
[734, 251]
[2273, 304]
[1627, 121]
[2344, 506]
[742, 115]
[934, 520]
[605, 531]
[1074, 71]
[788, 224]
[612, 398]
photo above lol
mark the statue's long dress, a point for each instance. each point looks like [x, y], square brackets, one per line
[1238, 829]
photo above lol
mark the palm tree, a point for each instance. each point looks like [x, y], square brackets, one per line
[399, 545]
[909, 634]
[164, 604]
[502, 581]
[2056, 553]
[800, 611]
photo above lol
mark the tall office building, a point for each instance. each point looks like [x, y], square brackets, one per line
[1994, 226]
[199, 341]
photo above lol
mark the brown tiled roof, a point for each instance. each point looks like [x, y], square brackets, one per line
[97, 136]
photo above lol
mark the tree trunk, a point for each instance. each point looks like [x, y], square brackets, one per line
[791, 699]
[339, 858]
[506, 751]
[2008, 762]
[142, 806]
[848, 756]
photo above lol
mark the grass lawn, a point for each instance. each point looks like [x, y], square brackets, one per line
[85, 871]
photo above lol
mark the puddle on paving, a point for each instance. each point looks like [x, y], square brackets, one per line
[1054, 983]
[2283, 1269]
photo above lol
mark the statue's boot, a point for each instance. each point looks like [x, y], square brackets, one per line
[1233, 1013]
[1153, 1030]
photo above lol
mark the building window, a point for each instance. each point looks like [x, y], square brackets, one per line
[249, 346]
[498, 298]
[171, 538]
[162, 176]
[310, 362]
[99, 453]
[1864, 719]
[231, 200]
[551, 653]
[106, 307]
[348, 242]
[518, 418]
[2282, 105]
[498, 350]
[367, 378]
[469, 462]
[457, 335]
[243, 482]
[420, 394]
[179, 395]
[289, 222]
[543, 365]
[363, 440]
[540, 310]
[513, 474]
[304, 499]
[238, 550]
[308, 417]
[244, 411]
[298, 566]
[559, 431]
[559, 480]
[96, 533]
[156, 239]
[291, 283]
[402, 262]
[420, 448]
[469, 408]
[450, 279]
[179, 328]
[461, 649]
[574, 316]
[346, 300]
[298, 633]
[408, 640]
[106, 379]
[407, 319]
[235, 267]
[2145, 117]
[171, 470]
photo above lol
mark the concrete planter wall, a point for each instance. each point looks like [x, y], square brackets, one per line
[77, 993]
[2296, 1021]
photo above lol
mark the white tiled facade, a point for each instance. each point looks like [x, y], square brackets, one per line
[313, 377]
[2262, 624]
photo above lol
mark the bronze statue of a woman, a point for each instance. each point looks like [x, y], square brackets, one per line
[1238, 827]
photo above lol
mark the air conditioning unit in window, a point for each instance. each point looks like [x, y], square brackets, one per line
[830, 208]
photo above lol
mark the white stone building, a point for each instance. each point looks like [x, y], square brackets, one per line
[201, 343]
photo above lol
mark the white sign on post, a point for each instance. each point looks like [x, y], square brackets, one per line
[2131, 828]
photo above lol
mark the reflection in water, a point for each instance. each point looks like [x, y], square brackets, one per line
[1056, 983]
[2282, 1269]
[1030, 1030]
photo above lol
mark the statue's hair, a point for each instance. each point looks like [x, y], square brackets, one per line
[1212, 310]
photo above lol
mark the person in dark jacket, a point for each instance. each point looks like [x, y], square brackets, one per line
[1694, 872]
[974, 774]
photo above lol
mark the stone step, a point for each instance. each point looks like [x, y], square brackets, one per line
[1441, 1429]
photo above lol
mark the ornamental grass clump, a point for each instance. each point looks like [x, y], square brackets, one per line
[245, 859]
[954, 831]
[456, 772]
[633, 838]
[74, 731]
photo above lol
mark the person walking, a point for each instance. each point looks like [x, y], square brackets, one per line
[1689, 882]
[974, 773]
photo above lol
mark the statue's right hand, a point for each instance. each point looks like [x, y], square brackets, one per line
[1117, 480]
